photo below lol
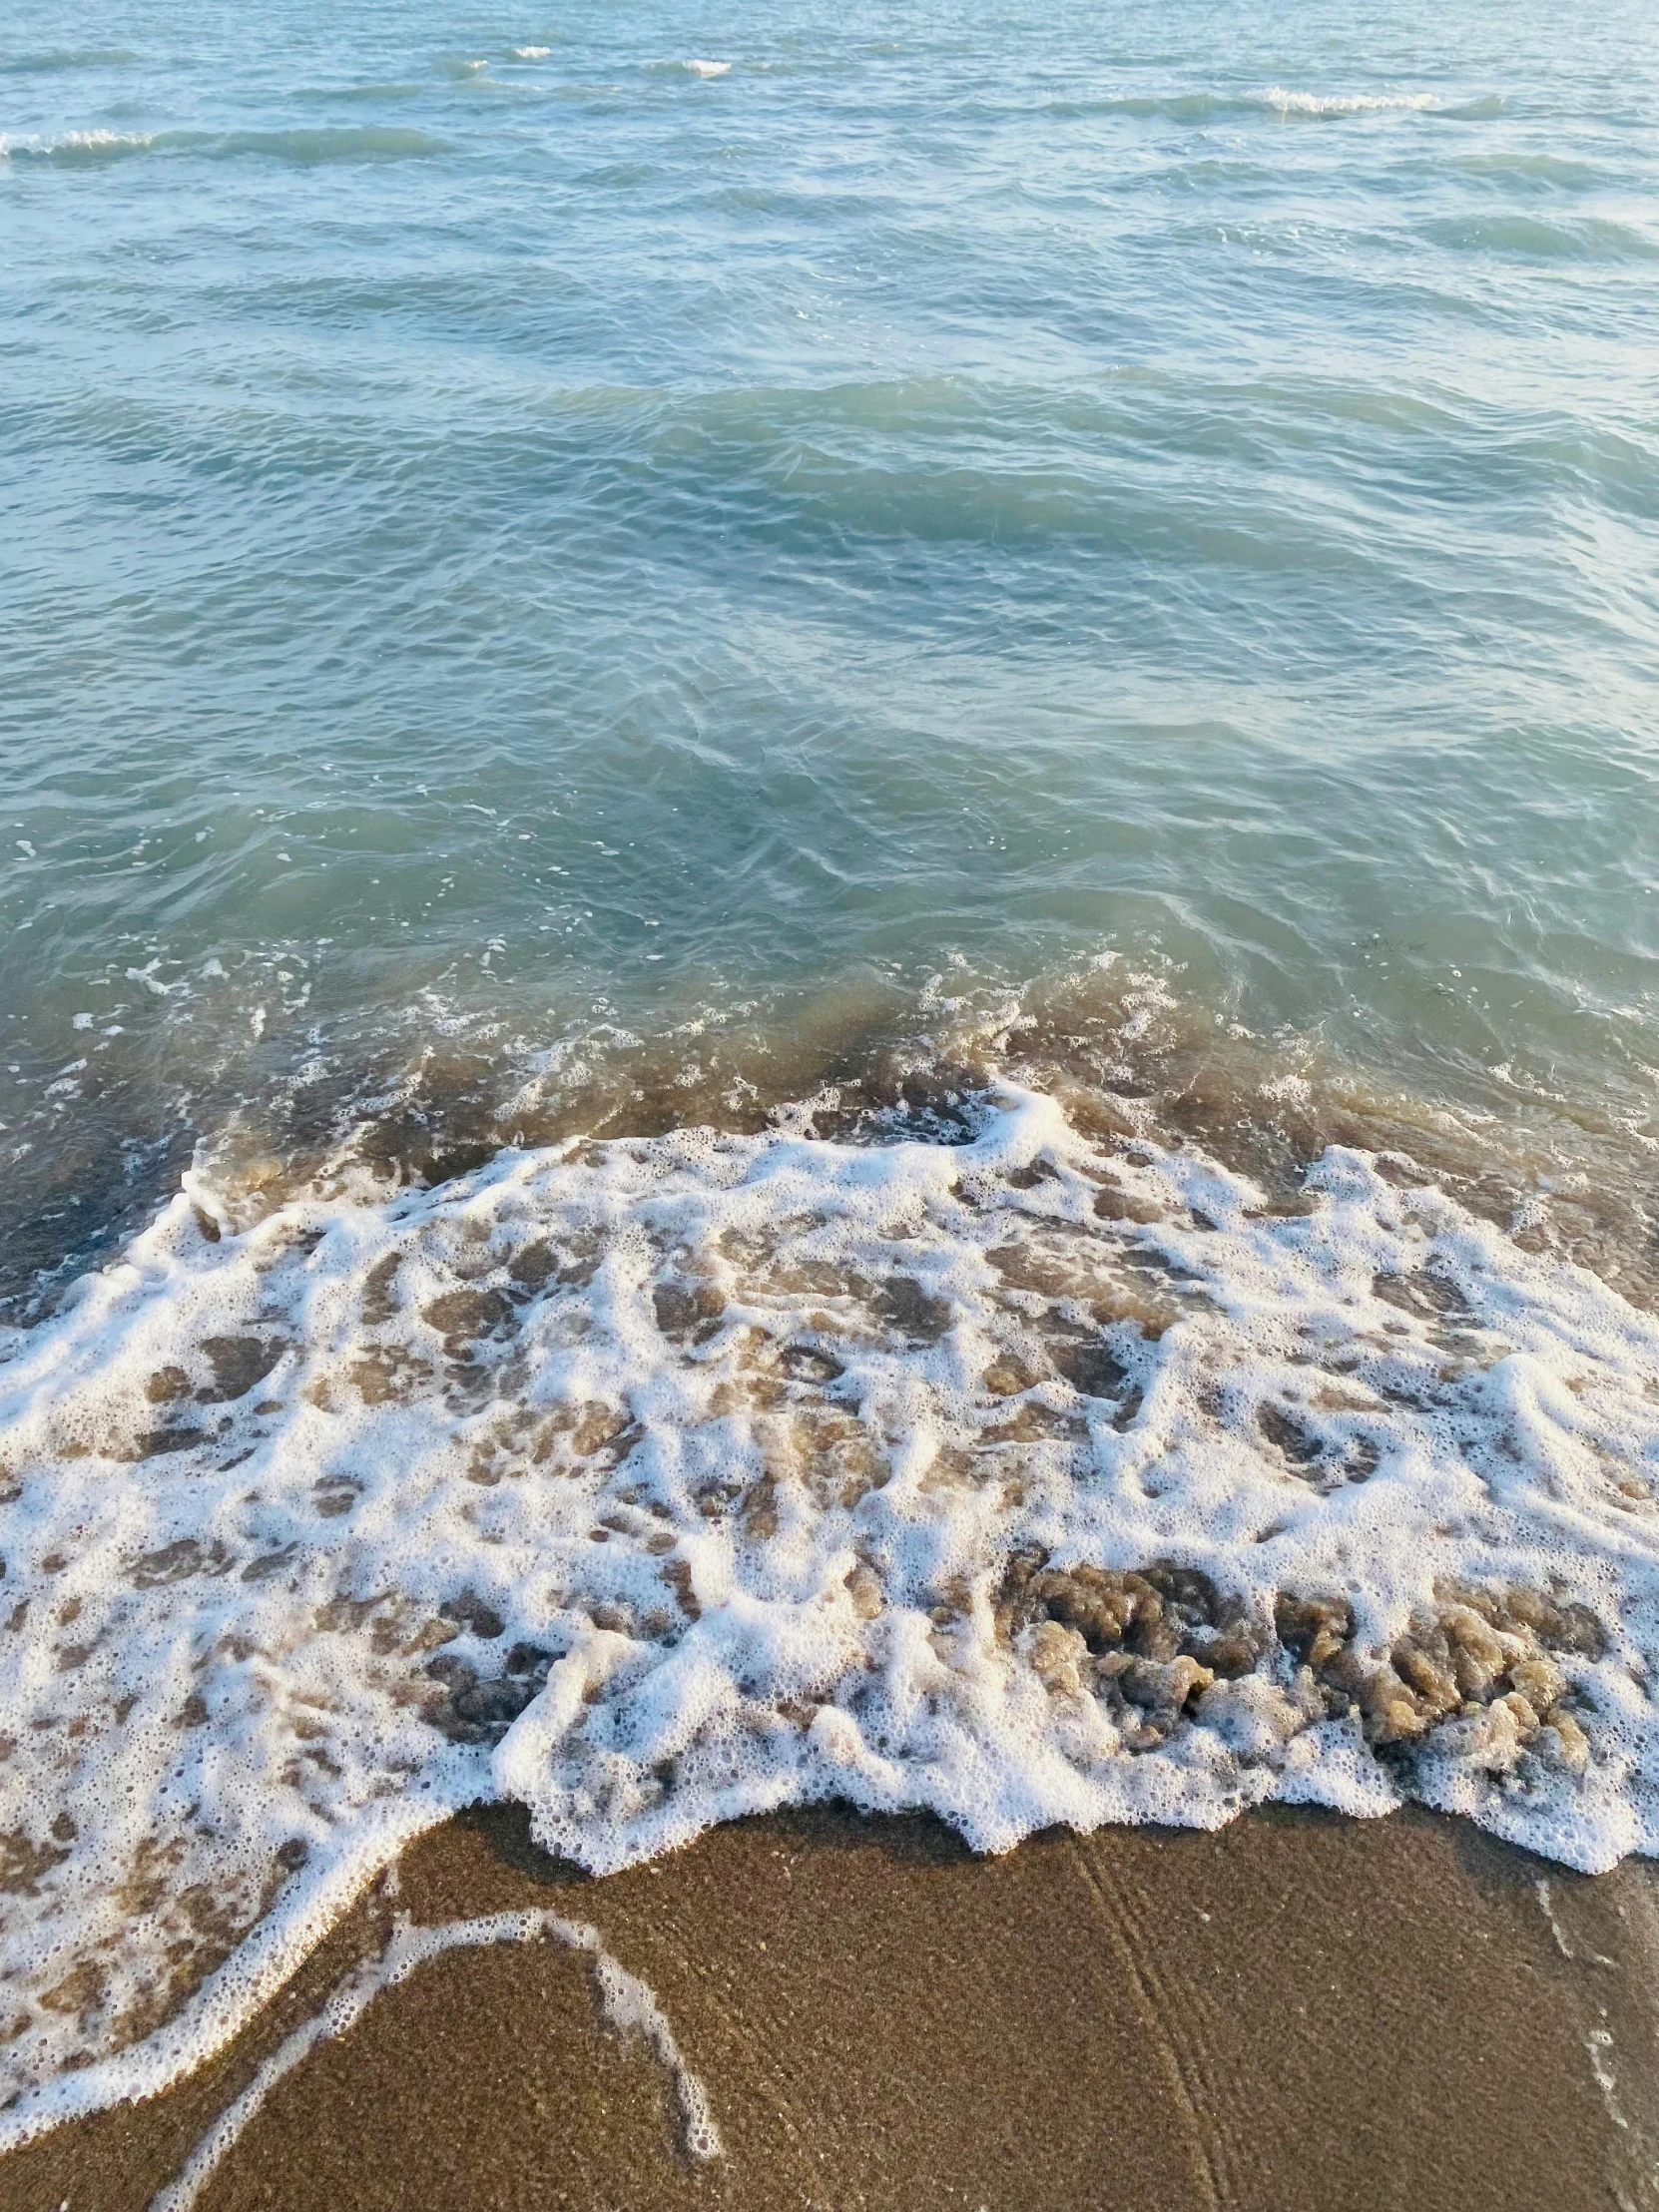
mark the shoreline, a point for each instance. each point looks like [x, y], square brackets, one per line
[1296, 2009]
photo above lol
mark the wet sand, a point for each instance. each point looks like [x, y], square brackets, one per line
[1297, 2012]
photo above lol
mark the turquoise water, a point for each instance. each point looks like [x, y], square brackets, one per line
[515, 534]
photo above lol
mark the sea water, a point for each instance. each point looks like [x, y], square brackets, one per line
[826, 947]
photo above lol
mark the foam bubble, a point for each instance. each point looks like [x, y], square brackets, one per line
[1326, 106]
[980, 1464]
[74, 146]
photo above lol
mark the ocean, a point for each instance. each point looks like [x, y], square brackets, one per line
[827, 942]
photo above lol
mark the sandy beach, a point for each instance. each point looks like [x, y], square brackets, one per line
[1297, 2012]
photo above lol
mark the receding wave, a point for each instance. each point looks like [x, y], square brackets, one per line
[1047, 1436]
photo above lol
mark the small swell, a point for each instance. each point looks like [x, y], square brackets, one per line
[370, 142]
[95, 149]
[1531, 236]
[60, 59]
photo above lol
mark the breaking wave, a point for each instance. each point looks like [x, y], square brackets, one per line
[992, 1451]
[1326, 106]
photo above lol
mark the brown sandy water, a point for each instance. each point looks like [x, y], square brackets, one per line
[1125, 1052]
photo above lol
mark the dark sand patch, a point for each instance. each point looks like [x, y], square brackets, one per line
[1297, 2012]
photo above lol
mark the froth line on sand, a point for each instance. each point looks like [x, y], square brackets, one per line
[626, 2001]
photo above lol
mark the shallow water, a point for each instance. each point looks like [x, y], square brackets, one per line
[511, 534]
[730, 585]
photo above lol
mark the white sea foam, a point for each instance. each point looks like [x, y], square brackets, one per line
[657, 1482]
[79, 146]
[1333, 103]
[706, 69]
[531, 52]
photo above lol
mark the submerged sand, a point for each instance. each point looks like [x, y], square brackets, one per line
[1296, 2011]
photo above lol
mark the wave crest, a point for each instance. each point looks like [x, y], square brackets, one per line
[366, 143]
[1326, 106]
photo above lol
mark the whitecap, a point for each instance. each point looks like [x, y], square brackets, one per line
[1326, 106]
[77, 147]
